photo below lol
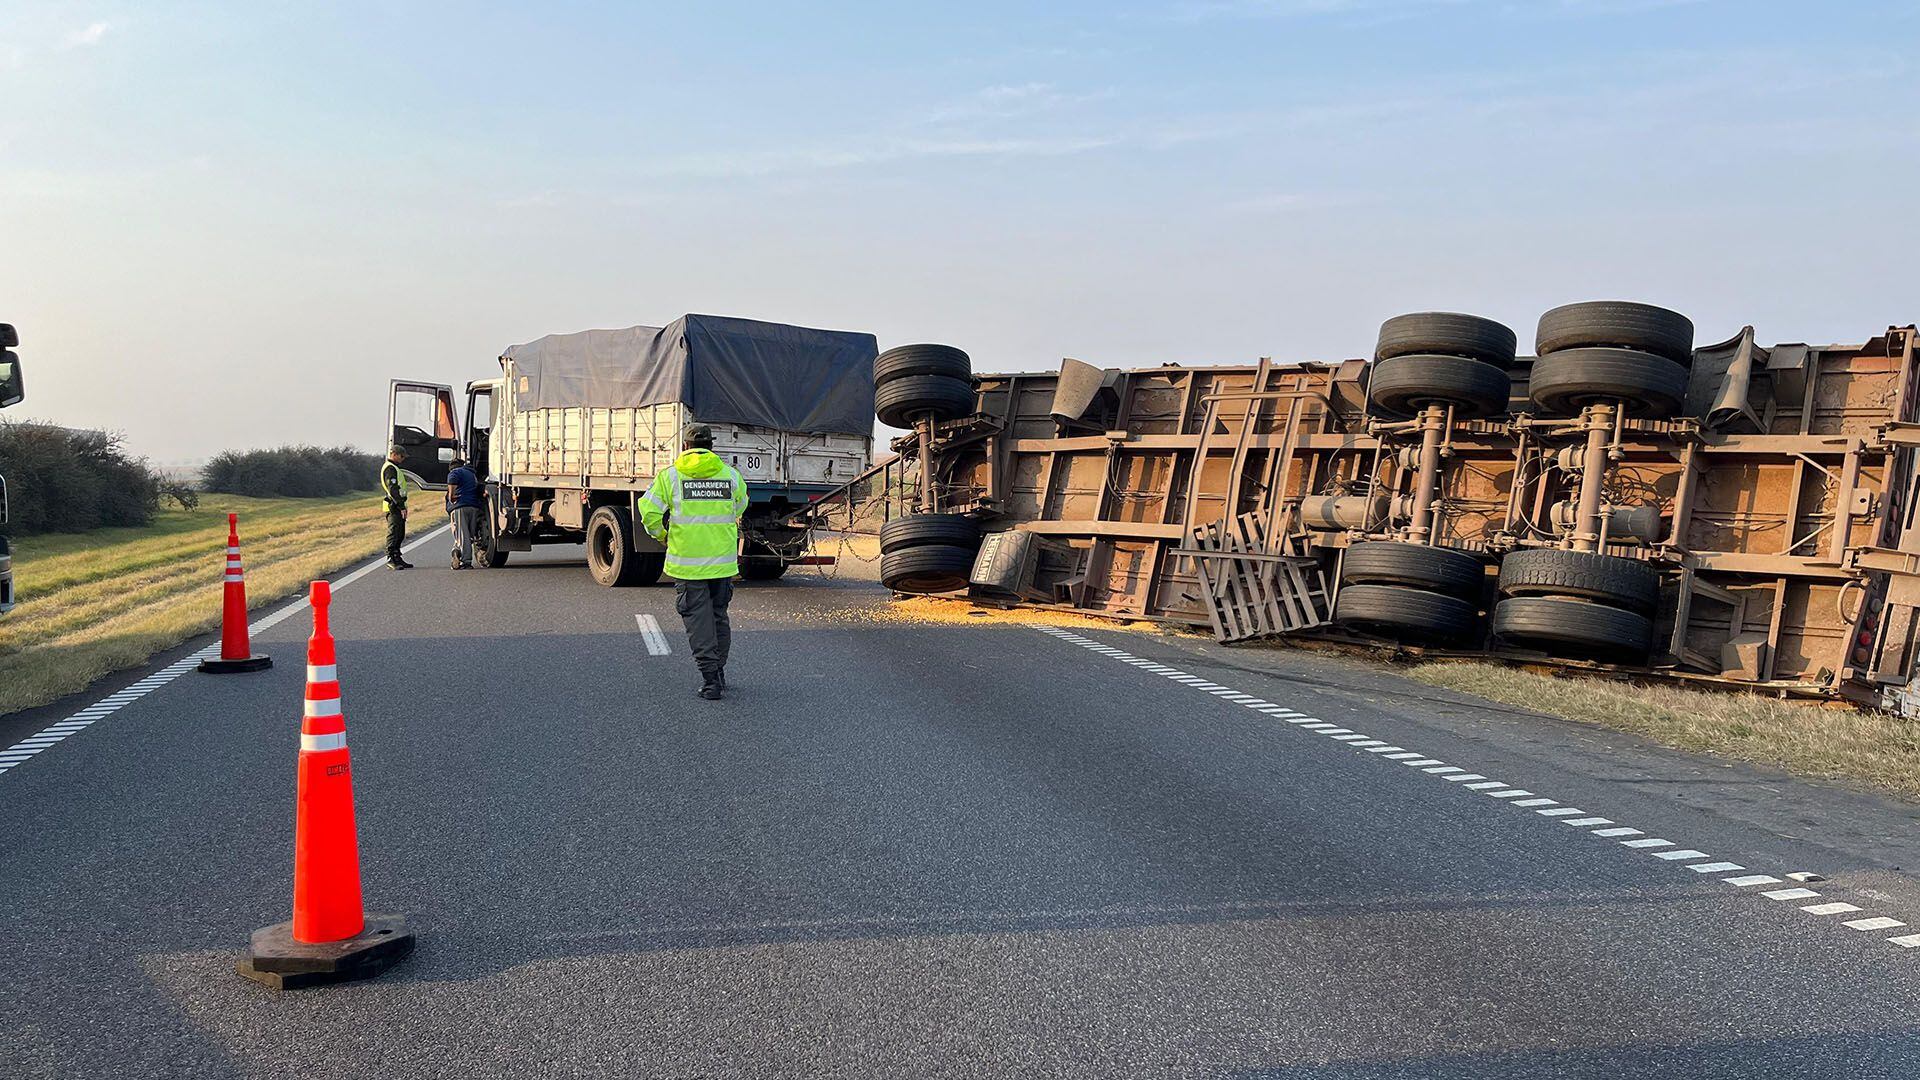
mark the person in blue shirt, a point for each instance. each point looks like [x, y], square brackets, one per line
[463, 504]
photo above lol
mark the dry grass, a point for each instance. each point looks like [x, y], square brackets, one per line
[99, 602]
[1877, 749]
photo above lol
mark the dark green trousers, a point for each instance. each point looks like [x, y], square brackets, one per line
[396, 532]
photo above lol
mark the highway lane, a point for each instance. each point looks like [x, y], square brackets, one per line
[924, 849]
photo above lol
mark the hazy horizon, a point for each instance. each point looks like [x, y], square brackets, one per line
[228, 226]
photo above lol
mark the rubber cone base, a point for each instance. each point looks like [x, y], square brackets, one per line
[234, 667]
[277, 960]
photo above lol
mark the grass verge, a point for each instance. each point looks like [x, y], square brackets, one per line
[1876, 749]
[104, 601]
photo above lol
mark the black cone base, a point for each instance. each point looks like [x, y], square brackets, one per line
[234, 667]
[277, 960]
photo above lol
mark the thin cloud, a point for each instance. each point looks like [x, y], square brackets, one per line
[757, 163]
[1210, 10]
[88, 36]
[1381, 11]
[1011, 100]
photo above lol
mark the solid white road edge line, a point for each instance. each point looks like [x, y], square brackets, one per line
[19, 752]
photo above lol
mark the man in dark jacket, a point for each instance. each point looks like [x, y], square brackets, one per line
[463, 503]
[393, 499]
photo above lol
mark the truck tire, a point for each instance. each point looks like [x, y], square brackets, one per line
[1400, 387]
[1616, 324]
[1404, 614]
[1435, 569]
[930, 568]
[1605, 579]
[919, 530]
[1576, 629]
[904, 400]
[1446, 333]
[486, 551]
[648, 566]
[1651, 387]
[904, 360]
[610, 555]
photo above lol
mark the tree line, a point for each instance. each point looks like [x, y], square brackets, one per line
[67, 480]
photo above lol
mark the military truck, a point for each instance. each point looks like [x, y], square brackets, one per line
[12, 391]
[569, 436]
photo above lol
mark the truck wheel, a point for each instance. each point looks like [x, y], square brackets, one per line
[930, 568]
[1617, 324]
[486, 550]
[1402, 386]
[610, 555]
[905, 360]
[1446, 333]
[1576, 629]
[1605, 579]
[919, 530]
[1564, 382]
[647, 567]
[1405, 614]
[1435, 569]
[905, 399]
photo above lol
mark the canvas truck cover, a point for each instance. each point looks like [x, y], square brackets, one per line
[728, 371]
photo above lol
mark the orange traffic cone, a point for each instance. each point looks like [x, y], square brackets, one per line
[330, 938]
[236, 654]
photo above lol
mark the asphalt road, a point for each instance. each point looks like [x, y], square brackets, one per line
[944, 850]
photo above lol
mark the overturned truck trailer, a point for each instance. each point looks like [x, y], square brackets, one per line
[1739, 512]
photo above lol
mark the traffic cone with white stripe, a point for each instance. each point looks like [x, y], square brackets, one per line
[236, 653]
[330, 938]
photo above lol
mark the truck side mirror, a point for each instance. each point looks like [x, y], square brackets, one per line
[13, 387]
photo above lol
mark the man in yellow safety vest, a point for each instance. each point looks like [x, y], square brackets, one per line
[393, 500]
[694, 507]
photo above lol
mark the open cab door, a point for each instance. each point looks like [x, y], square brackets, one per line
[422, 422]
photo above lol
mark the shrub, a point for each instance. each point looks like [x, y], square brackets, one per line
[181, 493]
[61, 480]
[296, 471]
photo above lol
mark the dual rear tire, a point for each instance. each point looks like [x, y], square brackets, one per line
[1411, 593]
[1440, 358]
[915, 381]
[1577, 604]
[1610, 351]
[928, 553]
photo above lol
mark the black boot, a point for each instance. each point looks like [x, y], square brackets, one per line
[720, 679]
[710, 685]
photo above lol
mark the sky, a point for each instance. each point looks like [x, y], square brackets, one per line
[228, 225]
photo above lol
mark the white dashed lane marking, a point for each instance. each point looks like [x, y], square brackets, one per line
[1697, 861]
[19, 753]
[1878, 922]
[650, 633]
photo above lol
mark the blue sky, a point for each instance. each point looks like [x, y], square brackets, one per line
[229, 224]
